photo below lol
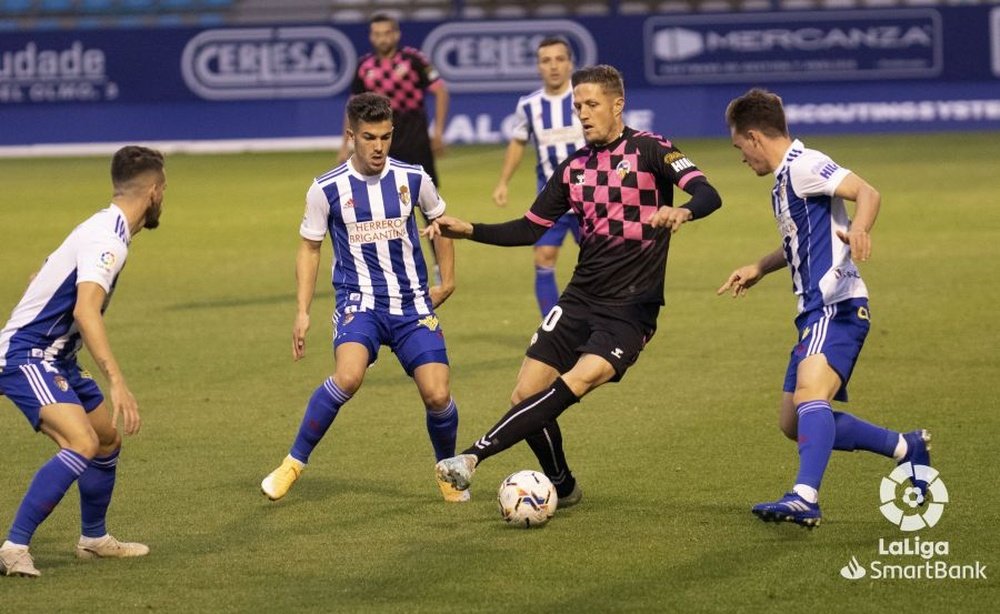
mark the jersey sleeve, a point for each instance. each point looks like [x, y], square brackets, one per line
[815, 174]
[428, 75]
[100, 260]
[669, 163]
[430, 201]
[553, 201]
[357, 84]
[520, 129]
[317, 214]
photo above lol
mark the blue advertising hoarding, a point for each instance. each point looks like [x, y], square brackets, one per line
[838, 71]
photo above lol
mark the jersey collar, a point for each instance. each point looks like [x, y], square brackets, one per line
[796, 146]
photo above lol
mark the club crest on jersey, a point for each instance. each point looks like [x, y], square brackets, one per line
[623, 168]
[107, 261]
[401, 69]
[404, 195]
[431, 322]
[61, 383]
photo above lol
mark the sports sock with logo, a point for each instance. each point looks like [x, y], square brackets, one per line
[96, 484]
[548, 448]
[816, 435]
[45, 492]
[323, 406]
[442, 426]
[524, 419]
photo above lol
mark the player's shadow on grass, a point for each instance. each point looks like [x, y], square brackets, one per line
[223, 303]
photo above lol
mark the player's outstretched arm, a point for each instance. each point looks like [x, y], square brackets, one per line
[87, 313]
[745, 277]
[447, 226]
[306, 269]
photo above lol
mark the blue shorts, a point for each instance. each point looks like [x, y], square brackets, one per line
[555, 236]
[37, 384]
[837, 332]
[415, 339]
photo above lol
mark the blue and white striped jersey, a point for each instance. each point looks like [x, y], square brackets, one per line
[377, 260]
[42, 327]
[809, 216]
[552, 124]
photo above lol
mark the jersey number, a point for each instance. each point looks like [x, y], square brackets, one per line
[551, 318]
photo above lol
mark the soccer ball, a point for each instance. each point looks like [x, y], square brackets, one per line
[527, 499]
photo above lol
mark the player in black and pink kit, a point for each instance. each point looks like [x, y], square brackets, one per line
[404, 76]
[621, 186]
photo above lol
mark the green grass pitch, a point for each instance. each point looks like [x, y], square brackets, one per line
[670, 460]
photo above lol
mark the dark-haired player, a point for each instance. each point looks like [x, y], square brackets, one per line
[62, 307]
[367, 206]
[817, 244]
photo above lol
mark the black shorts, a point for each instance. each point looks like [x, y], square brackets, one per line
[573, 328]
[412, 144]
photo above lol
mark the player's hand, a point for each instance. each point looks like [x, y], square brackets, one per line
[437, 145]
[447, 226]
[741, 280]
[500, 195]
[440, 294]
[860, 242]
[124, 405]
[299, 331]
[671, 217]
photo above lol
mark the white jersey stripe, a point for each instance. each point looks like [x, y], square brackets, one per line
[377, 207]
[409, 264]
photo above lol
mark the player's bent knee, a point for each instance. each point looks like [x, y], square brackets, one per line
[437, 400]
[109, 442]
[348, 381]
[85, 444]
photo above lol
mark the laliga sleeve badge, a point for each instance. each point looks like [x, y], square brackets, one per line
[107, 261]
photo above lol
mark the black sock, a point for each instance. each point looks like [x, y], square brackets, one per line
[548, 448]
[526, 418]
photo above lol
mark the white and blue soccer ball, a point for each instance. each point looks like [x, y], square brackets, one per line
[527, 499]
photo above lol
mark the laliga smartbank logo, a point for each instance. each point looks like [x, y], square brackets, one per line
[910, 509]
[914, 514]
[268, 63]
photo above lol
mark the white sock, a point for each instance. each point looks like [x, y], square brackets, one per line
[9, 545]
[901, 449]
[807, 492]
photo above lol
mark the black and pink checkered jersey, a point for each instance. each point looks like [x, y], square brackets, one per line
[615, 189]
[402, 78]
